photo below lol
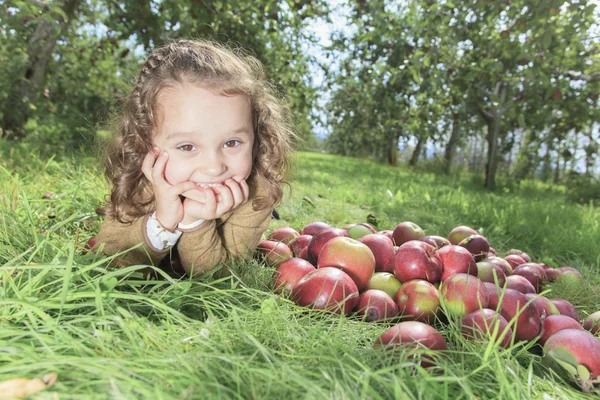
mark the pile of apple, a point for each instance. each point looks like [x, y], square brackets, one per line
[418, 281]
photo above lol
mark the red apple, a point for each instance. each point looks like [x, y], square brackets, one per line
[289, 272]
[543, 304]
[539, 268]
[502, 263]
[383, 250]
[554, 323]
[489, 325]
[351, 256]
[89, 245]
[477, 245]
[514, 260]
[492, 251]
[462, 294]
[384, 281]
[592, 323]
[273, 252]
[313, 228]
[520, 253]
[489, 272]
[389, 234]
[319, 239]
[284, 234]
[436, 241]
[513, 305]
[566, 308]
[552, 274]
[532, 274]
[376, 305]
[359, 230]
[304, 254]
[300, 242]
[413, 334]
[492, 290]
[417, 260]
[418, 300]
[327, 289]
[519, 283]
[456, 260]
[577, 353]
[459, 233]
[406, 231]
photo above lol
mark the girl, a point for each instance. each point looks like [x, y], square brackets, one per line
[198, 161]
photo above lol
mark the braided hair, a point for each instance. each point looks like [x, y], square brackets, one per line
[212, 66]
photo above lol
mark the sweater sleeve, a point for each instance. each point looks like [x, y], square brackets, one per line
[115, 237]
[235, 234]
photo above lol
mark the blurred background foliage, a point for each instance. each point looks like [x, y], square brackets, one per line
[506, 89]
[65, 63]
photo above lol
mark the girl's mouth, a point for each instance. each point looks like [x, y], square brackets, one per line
[209, 185]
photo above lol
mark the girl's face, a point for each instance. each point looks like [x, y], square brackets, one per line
[209, 137]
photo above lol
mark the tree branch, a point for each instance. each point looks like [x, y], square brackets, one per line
[39, 3]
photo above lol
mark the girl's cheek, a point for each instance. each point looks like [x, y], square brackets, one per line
[177, 171]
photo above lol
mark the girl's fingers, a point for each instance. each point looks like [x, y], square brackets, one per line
[226, 200]
[236, 192]
[158, 172]
[211, 200]
[148, 164]
[182, 187]
[245, 189]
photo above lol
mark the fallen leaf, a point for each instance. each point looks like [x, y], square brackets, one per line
[18, 388]
[309, 201]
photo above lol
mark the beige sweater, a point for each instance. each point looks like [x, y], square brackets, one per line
[234, 234]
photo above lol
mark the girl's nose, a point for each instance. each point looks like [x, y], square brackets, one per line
[213, 165]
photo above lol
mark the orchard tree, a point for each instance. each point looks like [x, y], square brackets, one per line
[492, 59]
[102, 32]
[43, 24]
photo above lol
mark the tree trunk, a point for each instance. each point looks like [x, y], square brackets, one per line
[492, 161]
[393, 150]
[451, 145]
[39, 51]
[493, 118]
[547, 164]
[557, 169]
[417, 151]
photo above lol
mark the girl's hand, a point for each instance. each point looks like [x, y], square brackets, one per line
[218, 201]
[169, 208]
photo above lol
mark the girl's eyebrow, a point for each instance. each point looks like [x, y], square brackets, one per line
[238, 131]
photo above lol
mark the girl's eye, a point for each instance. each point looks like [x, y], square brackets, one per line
[232, 143]
[187, 147]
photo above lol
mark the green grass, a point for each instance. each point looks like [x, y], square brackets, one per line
[110, 334]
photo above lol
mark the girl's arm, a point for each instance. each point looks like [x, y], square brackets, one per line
[115, 237]
[235, 234]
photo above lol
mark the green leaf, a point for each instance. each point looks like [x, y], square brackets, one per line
[108, 283]
[415, 76]
[427, 61]
[547, 39]
[268, 305]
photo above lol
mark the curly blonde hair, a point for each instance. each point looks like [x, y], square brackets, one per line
[213, 66]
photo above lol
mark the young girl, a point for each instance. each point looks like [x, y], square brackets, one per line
[198, 161]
